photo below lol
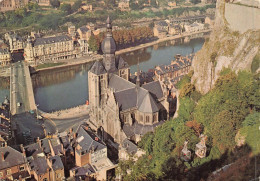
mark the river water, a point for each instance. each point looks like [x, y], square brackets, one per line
[68, 87]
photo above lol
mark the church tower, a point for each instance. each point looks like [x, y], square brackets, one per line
[109, 48]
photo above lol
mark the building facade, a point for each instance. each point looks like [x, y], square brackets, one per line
[52, 49]
[9, 5]
[5, 57]
[15, 42]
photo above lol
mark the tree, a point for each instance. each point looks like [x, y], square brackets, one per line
[93, 44]
[76, 5]
[223, 131]
[66, 8]
[55, 3]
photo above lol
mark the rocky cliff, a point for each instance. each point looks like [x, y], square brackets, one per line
[234, 43]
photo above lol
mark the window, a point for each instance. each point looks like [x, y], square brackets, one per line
[147, 119]
[154, 118]
[21, 168]
[9, 172]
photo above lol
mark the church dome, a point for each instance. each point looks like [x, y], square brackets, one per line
[108, 45]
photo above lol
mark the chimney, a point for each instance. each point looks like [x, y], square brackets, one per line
[3, 156]
[96, 138]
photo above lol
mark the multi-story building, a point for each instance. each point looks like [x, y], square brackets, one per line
[16, 43]
[194, 27]
[90, 155]
[9, 5]
[49, 158]
[13, 165]
[5, 57]
[49, 49]
[173, 72]
[84, 33]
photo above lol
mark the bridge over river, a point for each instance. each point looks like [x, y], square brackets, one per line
[21, 90]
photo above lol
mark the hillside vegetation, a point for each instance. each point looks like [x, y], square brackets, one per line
[231, 108]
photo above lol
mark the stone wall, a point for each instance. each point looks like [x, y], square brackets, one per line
[242, 18]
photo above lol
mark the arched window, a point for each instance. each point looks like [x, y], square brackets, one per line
[154, 118]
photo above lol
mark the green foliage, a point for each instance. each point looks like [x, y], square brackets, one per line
[250, 130]
[66, 8]
[55, 3]
[185, 80]
[187, 90]
[76, 5]
[186, 109]
[251, 119]
[93, 44]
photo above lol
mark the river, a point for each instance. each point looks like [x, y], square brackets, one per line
[68, 87]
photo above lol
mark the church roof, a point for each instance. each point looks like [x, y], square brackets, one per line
[148, 104]
[98, 68]
[136, 97]
[118, 83]
[122, 63]
[154, 88]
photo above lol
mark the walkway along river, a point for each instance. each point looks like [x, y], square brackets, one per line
[67, 87]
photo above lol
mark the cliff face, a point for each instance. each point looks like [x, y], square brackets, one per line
[230, 45]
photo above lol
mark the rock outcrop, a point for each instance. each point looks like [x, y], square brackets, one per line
[227, 47]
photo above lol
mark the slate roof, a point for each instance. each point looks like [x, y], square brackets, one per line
[33, 149]
[83, 171]
[46, 146]
[154, 88]
[56, 145]
[118, 83]
[38, 164]
[49, 40]
[129, 146]
[148, 105]
[98, 68]
[84, 29]
[56, 162]
[12, 158]
[86, 139]
[121, 63]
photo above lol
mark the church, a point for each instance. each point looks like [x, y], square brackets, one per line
[121, 109]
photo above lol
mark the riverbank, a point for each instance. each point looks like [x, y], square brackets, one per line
[87, 59]
[75, 112]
